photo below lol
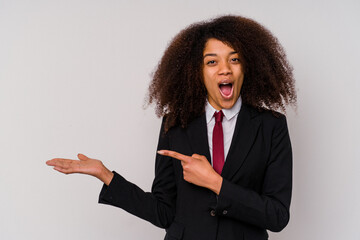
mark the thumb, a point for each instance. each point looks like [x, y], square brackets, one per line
[82, 157]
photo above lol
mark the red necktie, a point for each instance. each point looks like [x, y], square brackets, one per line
[218, 143]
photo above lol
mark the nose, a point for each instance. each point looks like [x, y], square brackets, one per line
[224, 68]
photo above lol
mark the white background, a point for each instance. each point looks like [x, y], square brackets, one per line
[73, 78]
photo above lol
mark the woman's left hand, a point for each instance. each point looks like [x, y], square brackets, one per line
[84, 165]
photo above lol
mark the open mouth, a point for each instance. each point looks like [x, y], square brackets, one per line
[226, 89]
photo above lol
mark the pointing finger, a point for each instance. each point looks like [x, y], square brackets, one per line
[174, 154]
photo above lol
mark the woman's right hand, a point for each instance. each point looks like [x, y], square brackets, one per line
[84, 165]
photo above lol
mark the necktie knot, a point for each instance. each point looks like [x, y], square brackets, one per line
[219, 116]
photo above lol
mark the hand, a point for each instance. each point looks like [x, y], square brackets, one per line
[84, 165]
[197, 170]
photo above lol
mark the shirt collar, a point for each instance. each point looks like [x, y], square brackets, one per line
[228, 113]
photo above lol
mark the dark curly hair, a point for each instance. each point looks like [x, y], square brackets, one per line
[177, 87]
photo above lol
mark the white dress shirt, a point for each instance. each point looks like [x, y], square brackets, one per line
[228, 124]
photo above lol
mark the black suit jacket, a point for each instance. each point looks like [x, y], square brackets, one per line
[255, 194]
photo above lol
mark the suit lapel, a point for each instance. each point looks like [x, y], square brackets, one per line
[244, 135]
[197, 135]
[245, 132]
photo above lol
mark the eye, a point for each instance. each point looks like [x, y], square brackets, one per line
[211, 62]
[235, 60]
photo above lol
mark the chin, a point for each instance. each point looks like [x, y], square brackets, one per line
[228, 105]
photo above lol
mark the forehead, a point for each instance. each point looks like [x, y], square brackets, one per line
[216, 46]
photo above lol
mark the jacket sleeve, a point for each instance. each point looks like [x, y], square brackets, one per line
[270, 208]
[157, 206]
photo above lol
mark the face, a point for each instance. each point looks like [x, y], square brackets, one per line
[223, 74]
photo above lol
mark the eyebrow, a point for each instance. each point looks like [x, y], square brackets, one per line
[214, 54]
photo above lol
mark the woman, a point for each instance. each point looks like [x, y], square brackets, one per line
[224, 163]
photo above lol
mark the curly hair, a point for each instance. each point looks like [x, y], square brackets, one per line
[177, 87]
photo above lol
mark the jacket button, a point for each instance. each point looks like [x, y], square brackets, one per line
[224, 212]
[212, 213]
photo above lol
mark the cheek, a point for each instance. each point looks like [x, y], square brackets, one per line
[211, 86]
[208, 87]
[209, 78]
[209, 83]
[239, 87]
